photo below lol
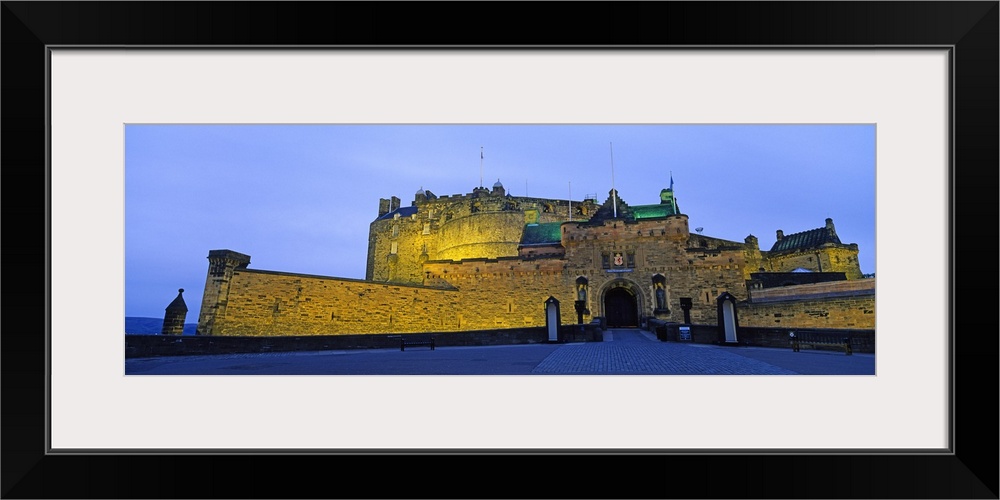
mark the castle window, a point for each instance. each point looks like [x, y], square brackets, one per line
[630, 260]
[605, 261]
[395, 230]
[427, 228]
[393, 248]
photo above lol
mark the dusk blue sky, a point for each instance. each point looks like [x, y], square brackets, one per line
[300, 198]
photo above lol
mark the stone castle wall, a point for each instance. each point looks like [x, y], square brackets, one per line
[814, 290]
[835, 304]
[275, 303]
[698, 268]
[507, 293]
[451, 263]
[828, 259]
[458, 227]
[486, 235]
[510, 293]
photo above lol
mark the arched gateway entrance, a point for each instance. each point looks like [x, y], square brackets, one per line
[621, 308]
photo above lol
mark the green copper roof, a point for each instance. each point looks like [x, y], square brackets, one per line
[546, 233]
[652, 211]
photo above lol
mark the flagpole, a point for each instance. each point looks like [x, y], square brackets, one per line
[613, 192]
[480, 166]
[570, 210]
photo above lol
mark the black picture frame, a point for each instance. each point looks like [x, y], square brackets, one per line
[969, 28]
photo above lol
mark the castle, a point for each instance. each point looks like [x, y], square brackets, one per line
[488, 260]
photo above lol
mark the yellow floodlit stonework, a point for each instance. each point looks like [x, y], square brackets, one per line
[488, 260]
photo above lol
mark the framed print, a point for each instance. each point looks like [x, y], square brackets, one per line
[921, 75]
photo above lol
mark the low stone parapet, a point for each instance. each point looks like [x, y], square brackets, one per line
[137, 346]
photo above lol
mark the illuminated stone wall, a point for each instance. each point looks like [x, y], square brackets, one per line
[752, 256]
[482, 225]
[864, 286]
[485, 235]
[222, 264]
[275, 303]
[692, 266]
[506, 293]
[841, 312]
[451, 263]
[833, 304]
[827, 259]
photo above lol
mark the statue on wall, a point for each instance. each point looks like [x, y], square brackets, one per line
[661, 297]
[581, 292]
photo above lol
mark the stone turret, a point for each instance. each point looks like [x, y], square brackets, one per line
[221, 266]
[173, 320]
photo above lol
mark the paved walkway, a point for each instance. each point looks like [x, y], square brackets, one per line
[623, 352]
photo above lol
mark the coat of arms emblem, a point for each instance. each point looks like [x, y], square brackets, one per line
[618, 259]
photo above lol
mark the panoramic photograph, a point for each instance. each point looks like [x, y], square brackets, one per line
[612, 249]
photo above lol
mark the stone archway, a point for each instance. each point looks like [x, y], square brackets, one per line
[621, 305]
